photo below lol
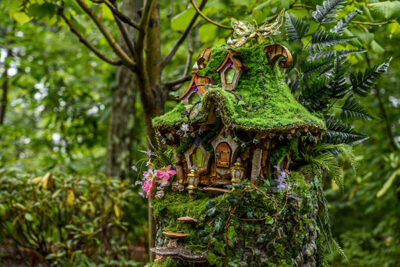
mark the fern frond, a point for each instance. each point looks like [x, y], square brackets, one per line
[341, 25]
[315, 94]
[324, 55]
[339, 84]
[340, 133]
[363, 81]
[326, 12]
[293, 84]
[321, 39]
[352, 109]
[295, 27]
[316, 67]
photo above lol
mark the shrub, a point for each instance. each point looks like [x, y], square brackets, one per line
[65, 219]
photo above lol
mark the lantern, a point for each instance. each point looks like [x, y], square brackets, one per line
[193, 180]
[237, 172]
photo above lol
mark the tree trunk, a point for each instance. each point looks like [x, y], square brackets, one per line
[121, 127]
[149, 74]
[153, 65]
[4, 86]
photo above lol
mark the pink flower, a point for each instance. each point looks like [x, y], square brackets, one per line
[134, 168]
[158, 257]
[148, 186]
[164, 175]
[150, 174]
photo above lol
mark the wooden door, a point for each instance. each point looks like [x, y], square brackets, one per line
[223, 155]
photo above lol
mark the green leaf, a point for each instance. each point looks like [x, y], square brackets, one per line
[231, 232]
[295, 27]
[208, 32]
[353, 110]
[326, 12]
[388, 184]
[28, 217]
[21, 17]
[73, 5]
[182, 20]
[385, 10]
[220, 247]
[338, 133]
[341, 25]
[14, 6]
[269, 219]
[322, 39]
[363, 81]
[212, 258]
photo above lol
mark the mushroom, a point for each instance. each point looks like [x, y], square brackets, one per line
[175, 236]
[187, 219]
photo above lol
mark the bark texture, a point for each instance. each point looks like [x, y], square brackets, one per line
[4, 87]
[121, 126]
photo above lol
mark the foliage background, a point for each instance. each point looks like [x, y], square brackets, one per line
[59, 108]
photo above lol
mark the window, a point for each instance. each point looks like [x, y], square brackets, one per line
[230, 74]
[198, 159]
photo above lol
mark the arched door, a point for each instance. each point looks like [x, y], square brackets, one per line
[223, 155]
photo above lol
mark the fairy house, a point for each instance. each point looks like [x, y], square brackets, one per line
[235, 109]
[237, 119]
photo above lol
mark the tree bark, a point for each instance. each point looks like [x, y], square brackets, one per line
[4, 87]
[121, 125]
[153, 65]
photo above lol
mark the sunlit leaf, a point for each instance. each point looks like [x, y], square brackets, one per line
[388, 184]
[70, 197]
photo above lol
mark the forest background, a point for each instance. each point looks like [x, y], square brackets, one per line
[73, 124]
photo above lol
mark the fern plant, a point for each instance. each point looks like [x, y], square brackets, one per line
[325, 83]
[322, 75]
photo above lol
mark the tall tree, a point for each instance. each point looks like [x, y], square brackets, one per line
[121, 125]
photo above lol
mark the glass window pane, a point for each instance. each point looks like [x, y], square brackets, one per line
[230, 74]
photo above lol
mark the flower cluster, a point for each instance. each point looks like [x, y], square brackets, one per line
[152, 176]
[283, 185]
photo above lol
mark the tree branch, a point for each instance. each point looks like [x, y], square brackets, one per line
[142, 24]
[183, 37]
[207, 18]
[177, 81]
[189, 56]
[87, 43]
[124, 32]
[121, 16]
[128, 62]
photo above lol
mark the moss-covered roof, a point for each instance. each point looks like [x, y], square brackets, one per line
[265, 103]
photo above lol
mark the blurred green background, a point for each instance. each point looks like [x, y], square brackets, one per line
[58, 113]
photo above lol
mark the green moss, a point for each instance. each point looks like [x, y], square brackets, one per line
[263, 91]
[246, 218]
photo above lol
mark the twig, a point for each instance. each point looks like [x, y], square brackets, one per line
[181, 80]
[372, 23]
[189, 56]
[121, 16]
[114, 45]
[183, 37]
[124, 32]
[252, 220]
[87, 43]
[207, 18]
